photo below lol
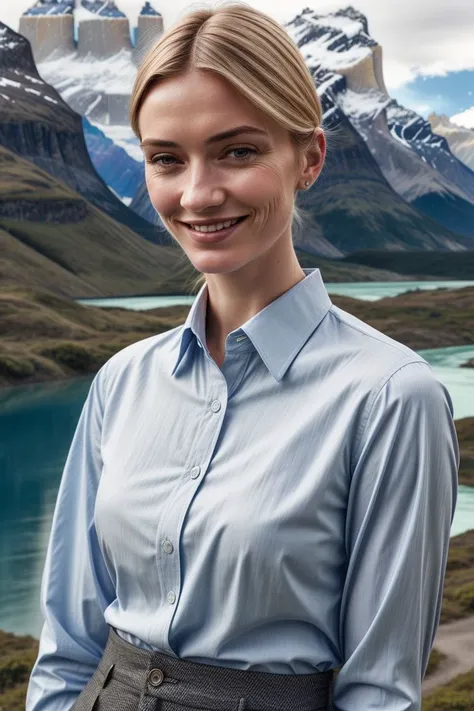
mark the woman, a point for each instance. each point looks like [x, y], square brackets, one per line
[264, 494]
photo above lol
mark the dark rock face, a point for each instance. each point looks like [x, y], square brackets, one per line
[418, 164]
[62, 211]
[38, 125]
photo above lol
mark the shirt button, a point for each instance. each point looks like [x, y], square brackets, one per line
[195, 471]
[215, 406]
[155, 677]
[168, 547]
[171, 597]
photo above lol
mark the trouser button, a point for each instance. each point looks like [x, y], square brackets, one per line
[155, 677]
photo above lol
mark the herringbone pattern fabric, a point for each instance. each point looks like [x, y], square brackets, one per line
[132, 679]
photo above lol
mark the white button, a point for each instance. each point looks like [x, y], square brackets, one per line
[195, 471]
[215, 406]
[168, 546]
[171, 597]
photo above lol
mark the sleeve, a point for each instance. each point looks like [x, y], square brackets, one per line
[401, 505]
[76, 587]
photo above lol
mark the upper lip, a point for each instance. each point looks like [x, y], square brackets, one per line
[211, 221]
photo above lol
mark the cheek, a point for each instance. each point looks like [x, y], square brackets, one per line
[264, 188]
[160, 197]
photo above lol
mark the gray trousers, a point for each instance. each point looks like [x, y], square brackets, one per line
[129, 678]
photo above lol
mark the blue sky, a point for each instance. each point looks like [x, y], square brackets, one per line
[449, 94]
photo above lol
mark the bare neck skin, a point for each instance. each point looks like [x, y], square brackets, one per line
[234, 298]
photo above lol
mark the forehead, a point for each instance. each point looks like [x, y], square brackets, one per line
[198, 101]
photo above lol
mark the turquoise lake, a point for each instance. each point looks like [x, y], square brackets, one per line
[37, 423]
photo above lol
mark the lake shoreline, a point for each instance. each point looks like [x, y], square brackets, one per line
[50, 337]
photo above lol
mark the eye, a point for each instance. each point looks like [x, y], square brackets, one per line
[241, 158]
[158, 159]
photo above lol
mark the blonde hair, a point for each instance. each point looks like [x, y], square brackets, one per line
[253, 53]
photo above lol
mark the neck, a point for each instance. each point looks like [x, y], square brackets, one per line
[235, 297]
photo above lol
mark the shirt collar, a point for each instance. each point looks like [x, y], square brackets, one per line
[278, 331]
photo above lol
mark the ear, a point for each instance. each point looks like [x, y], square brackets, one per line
[313, 159]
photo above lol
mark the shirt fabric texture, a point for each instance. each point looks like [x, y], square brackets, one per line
[289, 512]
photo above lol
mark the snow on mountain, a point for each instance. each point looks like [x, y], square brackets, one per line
[464, 119]
[40, 127]
[51, 7]
[346, 64]
[101, 8]
[459, 138]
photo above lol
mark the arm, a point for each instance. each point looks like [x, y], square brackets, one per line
[401, 504]
[76, 587]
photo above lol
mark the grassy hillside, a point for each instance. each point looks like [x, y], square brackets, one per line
[52, 237]
[443, 265]
[47, 336]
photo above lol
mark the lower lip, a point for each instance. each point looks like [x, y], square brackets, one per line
[211, 237]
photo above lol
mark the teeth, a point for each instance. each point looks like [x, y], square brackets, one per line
[214, 228]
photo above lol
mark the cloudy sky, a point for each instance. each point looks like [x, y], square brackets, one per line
[427, 44]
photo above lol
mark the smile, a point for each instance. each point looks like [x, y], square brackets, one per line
[216, 227]
[207, 234]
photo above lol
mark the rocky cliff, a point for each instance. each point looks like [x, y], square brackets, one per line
[103, 29]
[38, 125]
[150, 27]
[418, 164]
[49, 27]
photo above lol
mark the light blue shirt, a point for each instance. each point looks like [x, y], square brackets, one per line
[287, 513]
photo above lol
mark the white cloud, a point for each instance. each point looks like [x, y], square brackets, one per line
[419, 37]
[465, 118]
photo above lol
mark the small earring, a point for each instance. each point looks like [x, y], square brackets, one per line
[306, 183]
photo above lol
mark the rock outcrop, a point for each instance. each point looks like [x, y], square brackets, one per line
[96, 29]
[49, 27]
[418, 164]
[103, 30]
[38, 125]
[150, 27]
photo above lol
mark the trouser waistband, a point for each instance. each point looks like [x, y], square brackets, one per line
[216, 688]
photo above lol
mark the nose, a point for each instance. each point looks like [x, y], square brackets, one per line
[201, 190]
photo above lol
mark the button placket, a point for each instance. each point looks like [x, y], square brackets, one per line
[203, 444]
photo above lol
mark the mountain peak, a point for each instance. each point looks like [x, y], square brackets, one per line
[15, 51]
[102, 8]
[147, 9]
[51, 7]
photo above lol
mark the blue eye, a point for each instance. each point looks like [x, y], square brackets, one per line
[157, 159]
[243, 148]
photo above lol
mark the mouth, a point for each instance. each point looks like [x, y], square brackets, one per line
[216, 232]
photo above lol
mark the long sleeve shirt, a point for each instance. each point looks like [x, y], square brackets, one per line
[287, 512]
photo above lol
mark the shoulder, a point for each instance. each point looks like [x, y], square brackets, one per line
[375, 356]
[392, 377]
[138, 356]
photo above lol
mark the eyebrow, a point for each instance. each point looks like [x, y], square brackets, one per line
[213, 139]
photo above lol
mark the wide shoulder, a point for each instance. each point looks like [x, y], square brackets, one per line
[380, 353]
[139, 353]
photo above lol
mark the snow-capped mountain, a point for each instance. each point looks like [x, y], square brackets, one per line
[388, 182]
[460, 139]
[38, 125]
[346, 64]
